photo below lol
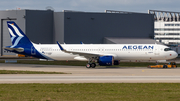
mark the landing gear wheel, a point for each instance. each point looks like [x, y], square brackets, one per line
[165, 66]
[93, 65]
[88, 65]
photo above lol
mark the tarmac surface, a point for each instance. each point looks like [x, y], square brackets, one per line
[80, 74]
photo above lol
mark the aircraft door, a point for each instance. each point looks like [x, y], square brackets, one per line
[156, 52]
[33, 51]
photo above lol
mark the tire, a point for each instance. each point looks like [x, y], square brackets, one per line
[88, 65]
[93, 65]
[164, 66]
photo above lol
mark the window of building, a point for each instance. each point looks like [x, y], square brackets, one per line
[177, 24]
[171, 24]
[162, 29]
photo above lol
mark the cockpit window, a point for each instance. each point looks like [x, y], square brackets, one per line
[167, 49]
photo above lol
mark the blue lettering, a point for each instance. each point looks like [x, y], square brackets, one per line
[151, 47]
[139, 47]
[129, 47]
[124, 47]
[145, 47]
[134, 47]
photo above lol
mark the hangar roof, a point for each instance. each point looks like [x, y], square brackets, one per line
[116, 40]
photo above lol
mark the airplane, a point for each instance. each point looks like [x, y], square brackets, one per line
[95, 54]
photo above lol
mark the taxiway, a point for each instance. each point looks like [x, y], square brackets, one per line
[80, 74]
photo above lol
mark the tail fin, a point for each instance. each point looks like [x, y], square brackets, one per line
[18, 38]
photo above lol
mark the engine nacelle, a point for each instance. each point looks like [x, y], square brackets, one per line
[106, 60]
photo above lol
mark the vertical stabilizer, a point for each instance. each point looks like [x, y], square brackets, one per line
[17, 35]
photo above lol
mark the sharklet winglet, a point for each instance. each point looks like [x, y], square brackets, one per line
[60, 46]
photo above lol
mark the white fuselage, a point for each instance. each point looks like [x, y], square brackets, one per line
[119, 51]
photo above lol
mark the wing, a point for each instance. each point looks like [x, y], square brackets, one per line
[85, 54]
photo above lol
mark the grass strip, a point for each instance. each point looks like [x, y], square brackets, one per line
[28, 72]
[91, 92]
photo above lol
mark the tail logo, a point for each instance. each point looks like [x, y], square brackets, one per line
[15, 34]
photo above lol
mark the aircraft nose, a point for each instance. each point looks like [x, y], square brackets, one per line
[175, 54]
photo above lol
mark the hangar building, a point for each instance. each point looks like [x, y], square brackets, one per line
[71, 27]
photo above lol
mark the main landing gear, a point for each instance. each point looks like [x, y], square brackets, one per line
[90, 63]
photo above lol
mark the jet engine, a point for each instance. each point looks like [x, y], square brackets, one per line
[106, 60]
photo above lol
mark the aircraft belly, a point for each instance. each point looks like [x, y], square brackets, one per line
[62, 56]
[138, 56]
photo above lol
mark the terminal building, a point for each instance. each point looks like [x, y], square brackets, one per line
[71, 27]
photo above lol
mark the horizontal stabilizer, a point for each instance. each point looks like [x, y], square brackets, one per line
[15, 49]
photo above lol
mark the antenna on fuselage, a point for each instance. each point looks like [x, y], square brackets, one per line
[81, 42]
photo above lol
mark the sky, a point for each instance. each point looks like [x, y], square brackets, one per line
[93, 5]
